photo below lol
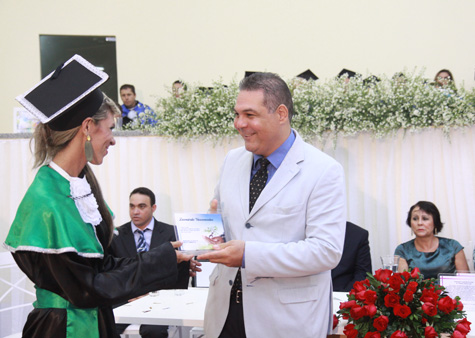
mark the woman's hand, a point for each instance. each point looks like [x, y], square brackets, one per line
[180, 256]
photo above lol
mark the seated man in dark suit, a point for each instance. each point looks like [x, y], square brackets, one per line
[355, 261]
[141, 234]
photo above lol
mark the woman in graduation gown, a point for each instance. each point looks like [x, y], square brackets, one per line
[63, 226]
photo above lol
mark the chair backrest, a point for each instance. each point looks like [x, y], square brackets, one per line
[16, 296]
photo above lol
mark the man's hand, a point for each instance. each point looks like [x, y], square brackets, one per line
[213, 207]
[180, 256]
[229, 253]
[194, 267]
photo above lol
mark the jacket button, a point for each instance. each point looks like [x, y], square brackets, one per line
[231, 282]
[248, 225]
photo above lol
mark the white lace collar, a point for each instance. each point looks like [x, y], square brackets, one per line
[82, 195]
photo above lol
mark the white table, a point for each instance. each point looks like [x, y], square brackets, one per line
[166, 309]
[184, 310]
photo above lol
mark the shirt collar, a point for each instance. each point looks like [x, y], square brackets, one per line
[149, 226]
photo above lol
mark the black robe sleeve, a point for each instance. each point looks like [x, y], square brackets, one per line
[93, 282]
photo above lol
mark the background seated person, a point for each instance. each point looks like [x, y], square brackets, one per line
[444, 79]
[431, 254]
[128, 242]
[131, 108]
[178, 88]
[355, 261]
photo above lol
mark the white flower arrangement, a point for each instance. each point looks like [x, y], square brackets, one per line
[324, 108]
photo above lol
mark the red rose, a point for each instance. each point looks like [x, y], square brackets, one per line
[350, 331]
[359, 286]
[395, 282]
[415, 272]
[335, 321]
[412, 286]
[371, 310]
[358, 312]
[347, 305]
[463, 326]
[372, 335]
[391, 299]
[429, 332]
[429, 296]
[381, 323]
[408, 296]
[406, 275]
[423, 320]
[370, 297]
[360, 295]
[398, 334]
[458, 334]
[458, 304]
[382, 275]
[402, 310]
[429, 309]
[446, 305]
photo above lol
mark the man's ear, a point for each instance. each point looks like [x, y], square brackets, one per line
[283, 113]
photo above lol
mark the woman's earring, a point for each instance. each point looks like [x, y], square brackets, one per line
[412, 232]
[435, 231]
[88, 149]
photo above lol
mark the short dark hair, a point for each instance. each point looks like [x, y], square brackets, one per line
[146, 192]
[429, 208]
[128, 86]
[276, 91]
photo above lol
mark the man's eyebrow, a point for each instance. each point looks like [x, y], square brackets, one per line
[245, 110]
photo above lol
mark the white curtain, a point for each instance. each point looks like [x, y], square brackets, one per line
[384, 177]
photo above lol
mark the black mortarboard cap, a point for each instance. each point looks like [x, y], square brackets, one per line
[308, 75]
[349, 73]
[67, 96]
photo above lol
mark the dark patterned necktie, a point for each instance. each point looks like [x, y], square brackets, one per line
[258, 182]
[141, 244]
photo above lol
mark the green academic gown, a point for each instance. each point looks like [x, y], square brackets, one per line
[76, 281]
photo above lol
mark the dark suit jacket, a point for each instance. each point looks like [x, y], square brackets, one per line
[123, 245]
[355, 261]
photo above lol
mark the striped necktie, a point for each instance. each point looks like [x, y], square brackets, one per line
[141, 244]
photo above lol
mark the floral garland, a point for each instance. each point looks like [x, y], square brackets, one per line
[401, 305]
[323, 108]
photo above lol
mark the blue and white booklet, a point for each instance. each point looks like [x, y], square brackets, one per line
[199, 232]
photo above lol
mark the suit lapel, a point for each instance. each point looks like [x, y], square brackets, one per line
[156, 240]
[243, 182]
[129, 241]
[287, 170]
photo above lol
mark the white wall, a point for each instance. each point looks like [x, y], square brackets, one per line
[201, 41]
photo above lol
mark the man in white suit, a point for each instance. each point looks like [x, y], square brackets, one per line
[284, 248]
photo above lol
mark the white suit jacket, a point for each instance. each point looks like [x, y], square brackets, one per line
[294, 236]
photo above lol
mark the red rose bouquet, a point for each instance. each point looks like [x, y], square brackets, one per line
[402, 305]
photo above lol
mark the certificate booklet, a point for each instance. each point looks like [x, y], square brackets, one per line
[199, 232]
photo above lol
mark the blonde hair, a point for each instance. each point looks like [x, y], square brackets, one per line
[48, 143]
